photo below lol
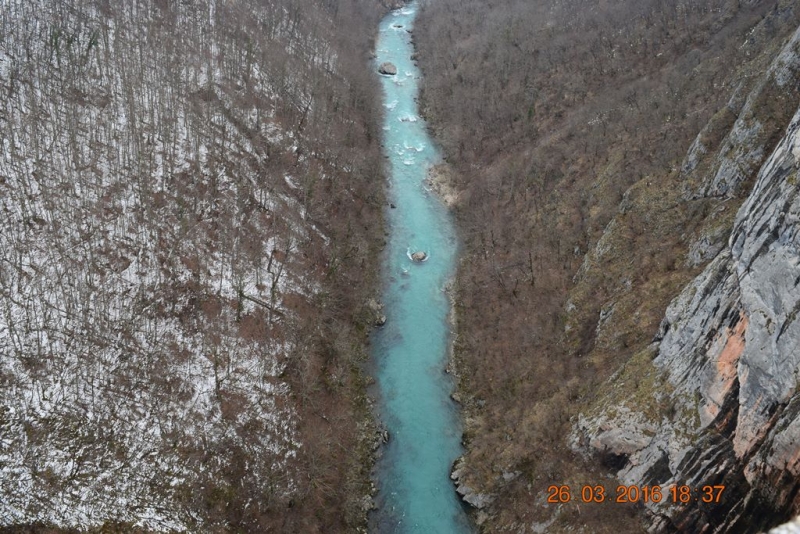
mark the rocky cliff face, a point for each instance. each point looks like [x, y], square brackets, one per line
[725, 396]
[757, 126]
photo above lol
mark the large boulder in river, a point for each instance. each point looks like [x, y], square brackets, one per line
[419, 256]
[387, 68]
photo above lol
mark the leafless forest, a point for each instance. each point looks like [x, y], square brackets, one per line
[190, 225]
[567, 122]
[190, 203]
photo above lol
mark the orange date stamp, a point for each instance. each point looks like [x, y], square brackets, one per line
[674, 494]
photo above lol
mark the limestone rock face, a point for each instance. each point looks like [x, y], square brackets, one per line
[744, 149]
[707, 247]
[729, 353]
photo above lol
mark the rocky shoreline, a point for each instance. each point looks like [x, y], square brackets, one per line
[467, 403]
[440, 180]
[460, 470]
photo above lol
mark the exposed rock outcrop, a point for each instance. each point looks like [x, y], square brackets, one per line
[708, 246]
[468, 495]
[376, 310]
[759, 121]
[727, 355]
[387, 68]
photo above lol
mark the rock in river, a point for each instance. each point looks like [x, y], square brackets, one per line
[387, 68]
[419, 256]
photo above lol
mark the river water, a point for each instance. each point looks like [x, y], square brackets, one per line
[415, 493]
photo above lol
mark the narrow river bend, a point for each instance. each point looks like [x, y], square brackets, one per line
[415, 493]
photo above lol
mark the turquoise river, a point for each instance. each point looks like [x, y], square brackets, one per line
[415, 493]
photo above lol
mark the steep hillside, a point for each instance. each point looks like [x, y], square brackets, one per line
[726, 353]
[602, 152]
[189, 201]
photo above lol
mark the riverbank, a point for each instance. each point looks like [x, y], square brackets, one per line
[441, 182]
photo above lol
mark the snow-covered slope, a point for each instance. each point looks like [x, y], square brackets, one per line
[161, 247]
